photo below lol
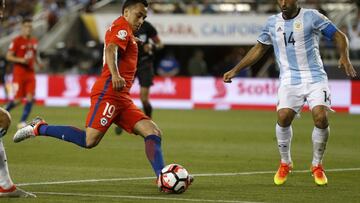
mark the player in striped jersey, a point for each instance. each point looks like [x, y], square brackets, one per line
[294, 35]
[7, 187]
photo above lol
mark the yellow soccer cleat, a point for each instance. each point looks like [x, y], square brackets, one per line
[282, 173]
[319, 175]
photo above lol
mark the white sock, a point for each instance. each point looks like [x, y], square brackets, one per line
[5, 180]
[319, 139]
[284, 136]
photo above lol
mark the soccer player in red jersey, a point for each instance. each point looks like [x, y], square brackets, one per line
[110, 97]
[22, 52]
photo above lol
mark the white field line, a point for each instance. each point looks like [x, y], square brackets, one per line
[195, 175]
[141, 197]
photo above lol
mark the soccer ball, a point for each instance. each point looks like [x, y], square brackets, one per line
[173, 179]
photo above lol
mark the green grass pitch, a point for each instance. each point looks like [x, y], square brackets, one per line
[219, 147]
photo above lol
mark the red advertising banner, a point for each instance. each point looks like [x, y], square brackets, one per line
[71, 86]
[355, 92]
[79, 86]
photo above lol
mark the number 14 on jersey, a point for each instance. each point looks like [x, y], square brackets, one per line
[290, 39]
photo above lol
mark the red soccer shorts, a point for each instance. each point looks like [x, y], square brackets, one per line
[105, 110]
[23, 84]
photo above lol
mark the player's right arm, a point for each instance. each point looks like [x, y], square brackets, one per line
[255, 53]
[111, 58]
[10, 56]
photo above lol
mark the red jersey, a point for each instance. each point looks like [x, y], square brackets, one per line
[120, 33]
[24, 48]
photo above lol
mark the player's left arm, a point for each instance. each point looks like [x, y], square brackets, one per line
[331, 32]
[342, 45]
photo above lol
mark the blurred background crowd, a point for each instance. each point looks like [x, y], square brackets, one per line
[83, 55]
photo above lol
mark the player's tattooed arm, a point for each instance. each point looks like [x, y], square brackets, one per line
[111, 58]
[342, 44]
[255, 53]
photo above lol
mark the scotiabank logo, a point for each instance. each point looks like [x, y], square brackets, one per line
[266, 88]
[161, 87]
[71, 86]
[166, 88]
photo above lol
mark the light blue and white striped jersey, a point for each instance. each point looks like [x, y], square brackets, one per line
[296, 45]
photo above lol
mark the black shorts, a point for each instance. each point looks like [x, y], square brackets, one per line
[145, 73]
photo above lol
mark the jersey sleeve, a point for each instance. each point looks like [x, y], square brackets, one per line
[323, 24]
[118, 35]
[265, 36]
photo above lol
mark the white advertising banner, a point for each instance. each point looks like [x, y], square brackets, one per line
[340, 93]
[240, 91]
[198, 30]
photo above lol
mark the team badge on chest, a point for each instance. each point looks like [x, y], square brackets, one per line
[297, 26]
[103, 121]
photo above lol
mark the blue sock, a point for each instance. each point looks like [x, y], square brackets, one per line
[67, 133]
[10, 106]
[154, 152]
[27, 110]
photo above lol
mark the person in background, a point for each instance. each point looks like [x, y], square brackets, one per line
[23, 54]
[208, 8]
[145, 67]
[197, 65]
[168, 66]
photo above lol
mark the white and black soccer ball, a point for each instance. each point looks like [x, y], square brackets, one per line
[173, 178]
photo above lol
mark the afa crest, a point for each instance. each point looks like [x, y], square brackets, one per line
[297, 26]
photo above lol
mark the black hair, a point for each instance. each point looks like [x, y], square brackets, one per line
[128, 3]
